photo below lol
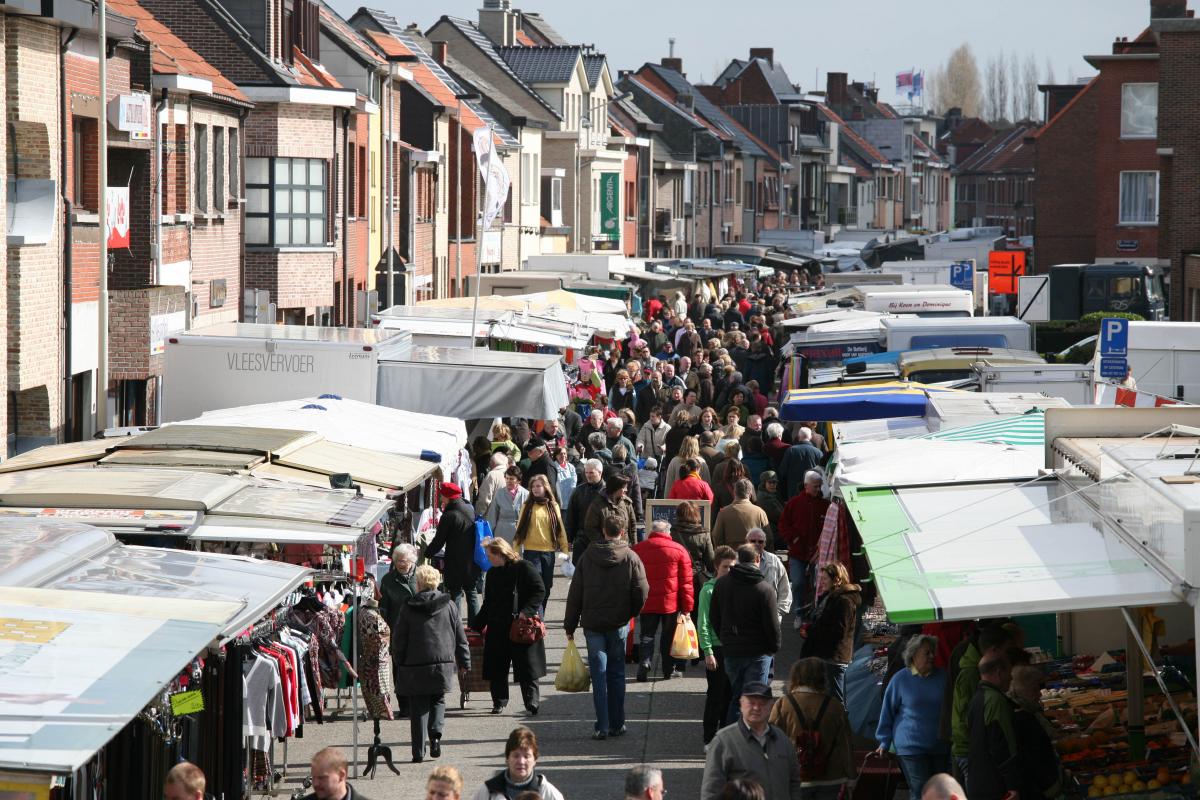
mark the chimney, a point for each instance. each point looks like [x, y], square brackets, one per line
[497, 21]
[765, 53]
[440, 50]
[1168, 9]
[835, 88]
[670, 62]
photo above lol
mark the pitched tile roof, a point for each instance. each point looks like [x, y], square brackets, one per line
[170, 55]
[541, 29]
[554, 64]
[434, 78]
[348, 36]
[707, 110]
[1006, 151]
[593, 66]
[310, 73]
[472, 33]
[972, 130]
[774, 74]
[524, 40]
[869, 150]
[668, 99]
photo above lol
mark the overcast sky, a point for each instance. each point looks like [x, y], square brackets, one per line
[870, 39]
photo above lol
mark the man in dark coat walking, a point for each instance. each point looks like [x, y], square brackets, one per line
[591, 487]
[456, 532]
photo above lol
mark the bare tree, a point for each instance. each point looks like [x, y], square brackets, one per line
[1049, 77]
[1017, 88]
[958, 84]
[1029, 82]
[991, 96]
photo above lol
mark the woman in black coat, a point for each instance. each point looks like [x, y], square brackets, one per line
[513, 586]
[428, 641]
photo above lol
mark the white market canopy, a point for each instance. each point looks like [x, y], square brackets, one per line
[958, 552]
[353, 423]
[905, 462]
[103, 628]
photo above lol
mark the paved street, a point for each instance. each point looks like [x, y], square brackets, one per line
[663, 719]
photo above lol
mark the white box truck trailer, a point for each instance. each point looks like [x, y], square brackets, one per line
[910, 332]
[1164, 358]
[239, 364]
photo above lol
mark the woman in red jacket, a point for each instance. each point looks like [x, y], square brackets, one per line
[692, 486]
[669, 573]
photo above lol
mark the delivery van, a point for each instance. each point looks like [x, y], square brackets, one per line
[923, 333]
[957, 363]
[923, 301]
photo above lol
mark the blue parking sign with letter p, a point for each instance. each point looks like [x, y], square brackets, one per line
[1114, 337]
[962, 275]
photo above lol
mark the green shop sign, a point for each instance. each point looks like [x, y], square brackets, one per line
[610, 206]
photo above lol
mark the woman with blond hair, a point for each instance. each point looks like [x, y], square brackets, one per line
[513, 588]
[541, 531]
[502, 442]
[623, 395]
[427, 643]
[444, 783]
[830, 635]
[688, 449]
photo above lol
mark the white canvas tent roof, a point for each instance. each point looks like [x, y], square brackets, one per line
[474, 383]
[104, 628]
[72, 557]
[905, 462]
[957, 552]
[92, 663]
[354, 423]
[168, 489]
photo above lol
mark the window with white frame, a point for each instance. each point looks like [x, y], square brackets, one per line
[530, 179]
[1139, 110]
[1139, 198]
[286, 202]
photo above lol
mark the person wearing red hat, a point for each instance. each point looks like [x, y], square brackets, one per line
[456, 532]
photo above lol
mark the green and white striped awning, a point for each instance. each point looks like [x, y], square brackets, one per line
[969, 551]
[1026, 429]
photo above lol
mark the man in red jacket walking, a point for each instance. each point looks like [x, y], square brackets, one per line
[669, 573]
[800, 526]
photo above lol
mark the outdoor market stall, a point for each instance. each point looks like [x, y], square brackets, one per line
[1108, 529]
[119, 670]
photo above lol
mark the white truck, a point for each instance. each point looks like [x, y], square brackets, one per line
[1164, 358]
[910, 332]
[961, 274]
[1071, 382]
[237, 364]
[935, 300]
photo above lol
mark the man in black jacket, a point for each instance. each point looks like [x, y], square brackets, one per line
[743, 615]
[995, 758]
[456, 532]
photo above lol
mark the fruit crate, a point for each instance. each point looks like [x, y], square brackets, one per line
[1140, 782]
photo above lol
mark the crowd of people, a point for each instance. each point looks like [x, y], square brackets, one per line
[681, 412]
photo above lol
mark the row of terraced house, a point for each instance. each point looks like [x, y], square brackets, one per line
[272, 160]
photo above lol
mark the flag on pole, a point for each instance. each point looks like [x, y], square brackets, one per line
[495, 177]
[918, 84]
[904, 80]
